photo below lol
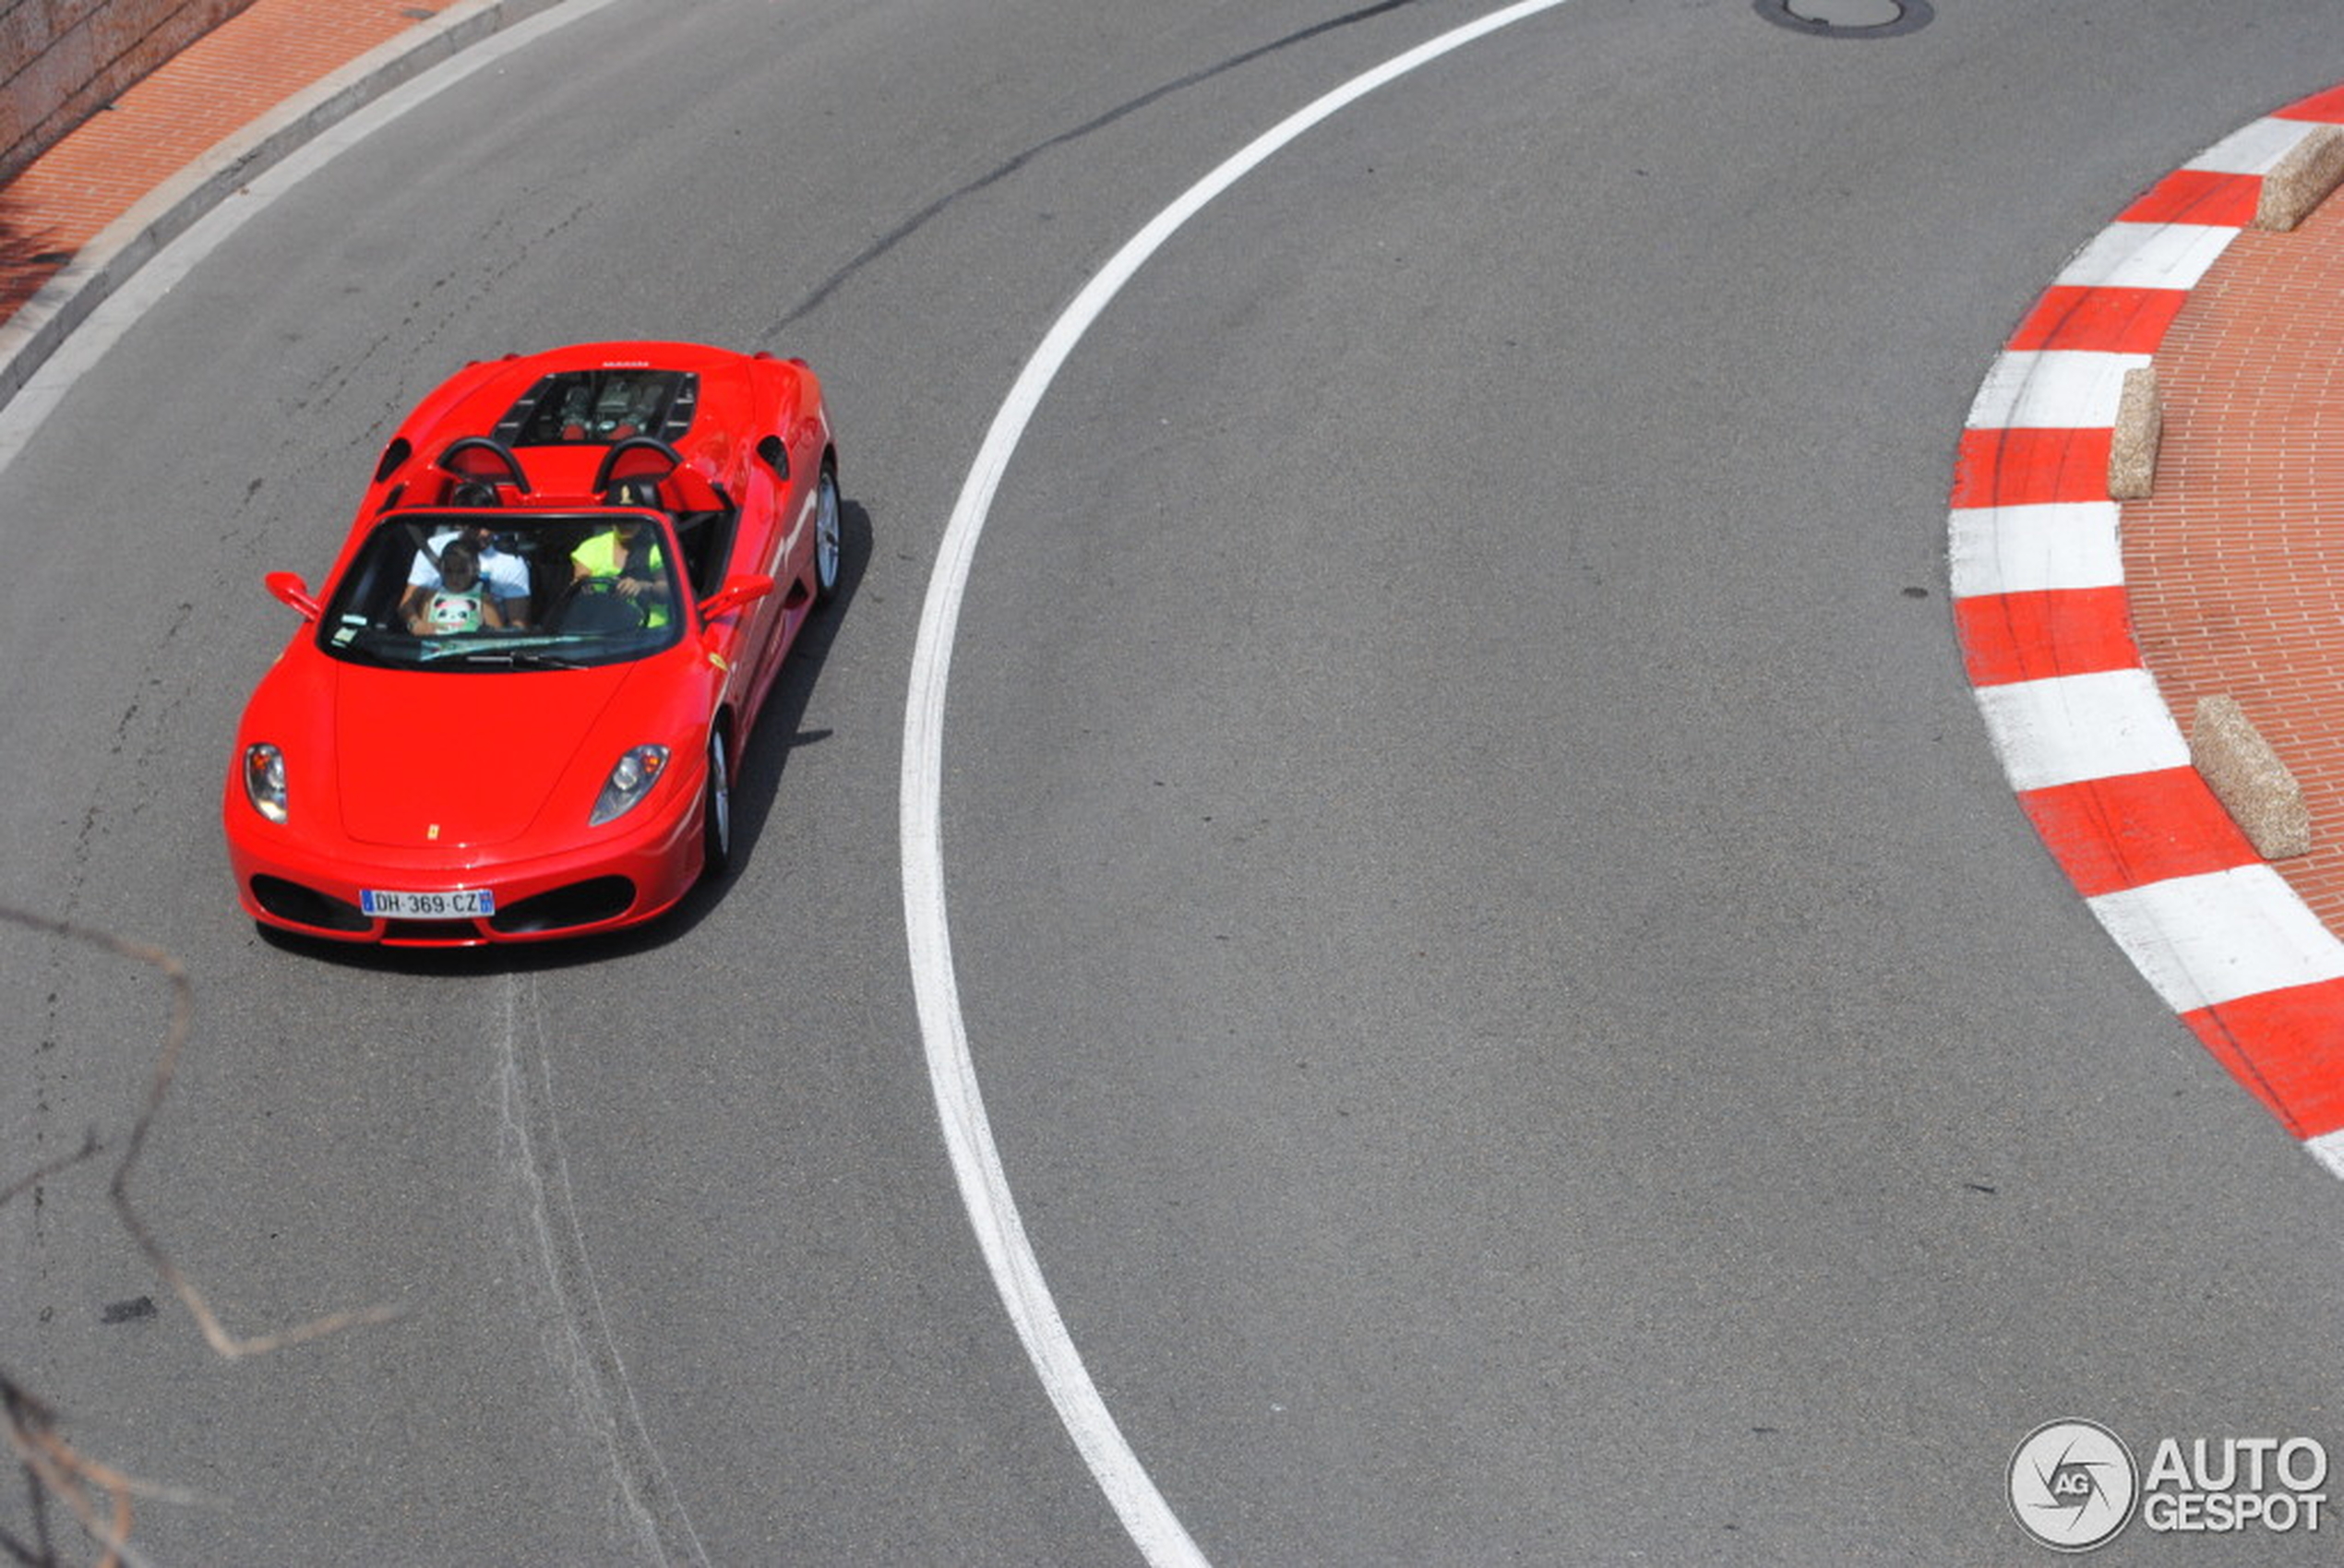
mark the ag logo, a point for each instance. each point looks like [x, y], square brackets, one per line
[2073, 1485]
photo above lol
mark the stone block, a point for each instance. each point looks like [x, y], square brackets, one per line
[2140, 423]
[2247, 777]
[2301, 181]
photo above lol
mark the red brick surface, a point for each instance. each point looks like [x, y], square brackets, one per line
[62, 59]
[222, 83]
[2234, 562]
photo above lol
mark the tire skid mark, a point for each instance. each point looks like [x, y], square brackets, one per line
[926, 215]
[576, 1326]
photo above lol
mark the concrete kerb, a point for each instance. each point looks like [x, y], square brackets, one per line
[2247, 775]
[2301, 180]
[2140, 426]
[100, 267]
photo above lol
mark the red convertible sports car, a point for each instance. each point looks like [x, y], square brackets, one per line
[515, 709]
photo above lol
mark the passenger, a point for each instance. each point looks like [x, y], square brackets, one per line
[460, 603]
[506, 576]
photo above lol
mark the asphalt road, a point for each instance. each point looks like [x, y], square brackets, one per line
[1523, 1020]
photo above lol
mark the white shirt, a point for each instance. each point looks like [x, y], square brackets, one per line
[506, 577]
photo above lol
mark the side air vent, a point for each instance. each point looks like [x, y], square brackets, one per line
[394, 457]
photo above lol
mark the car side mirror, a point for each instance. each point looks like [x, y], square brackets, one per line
[289, 587]
[736, 592]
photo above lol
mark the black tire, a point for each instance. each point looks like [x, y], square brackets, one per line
[716, 811]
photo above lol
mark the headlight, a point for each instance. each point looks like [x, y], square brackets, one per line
[265, 781]
[628, 783]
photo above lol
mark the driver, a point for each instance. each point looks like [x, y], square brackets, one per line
[628, 553]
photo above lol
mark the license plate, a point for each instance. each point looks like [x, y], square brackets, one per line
[475, 904]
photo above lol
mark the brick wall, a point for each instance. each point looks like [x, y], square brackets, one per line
[63, 60]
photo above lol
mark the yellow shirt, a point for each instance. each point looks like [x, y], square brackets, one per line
[604, 555]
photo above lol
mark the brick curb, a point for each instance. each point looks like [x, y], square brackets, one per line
[2085, 735]
[35, 332]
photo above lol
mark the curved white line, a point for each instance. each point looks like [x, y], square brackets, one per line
[968, 1136]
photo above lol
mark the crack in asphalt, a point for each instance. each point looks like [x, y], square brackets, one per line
[921, 219]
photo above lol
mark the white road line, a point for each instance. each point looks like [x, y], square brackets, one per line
[985, 1189]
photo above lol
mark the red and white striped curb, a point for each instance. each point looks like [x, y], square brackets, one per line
[2099, 761]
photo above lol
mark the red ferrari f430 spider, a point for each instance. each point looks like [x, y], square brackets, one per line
[515, 709]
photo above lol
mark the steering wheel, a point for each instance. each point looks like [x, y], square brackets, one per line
[595, 604]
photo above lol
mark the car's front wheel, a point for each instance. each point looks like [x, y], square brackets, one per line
[716, 812]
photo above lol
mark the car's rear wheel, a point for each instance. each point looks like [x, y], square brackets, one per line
[826, 535]
[716, 812]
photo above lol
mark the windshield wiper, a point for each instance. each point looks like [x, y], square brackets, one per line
[516, 658]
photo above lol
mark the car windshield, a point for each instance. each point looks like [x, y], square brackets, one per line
[472, 591]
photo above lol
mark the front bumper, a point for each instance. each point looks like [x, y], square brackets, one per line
[621, 875]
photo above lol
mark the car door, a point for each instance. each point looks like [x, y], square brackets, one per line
[764, 546]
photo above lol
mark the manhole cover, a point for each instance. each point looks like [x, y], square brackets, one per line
[1847, 18]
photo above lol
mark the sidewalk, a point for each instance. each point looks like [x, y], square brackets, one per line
[164, 126]
[2236, 562]
[131, 177]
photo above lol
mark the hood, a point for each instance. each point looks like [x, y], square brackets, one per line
[451, 760]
